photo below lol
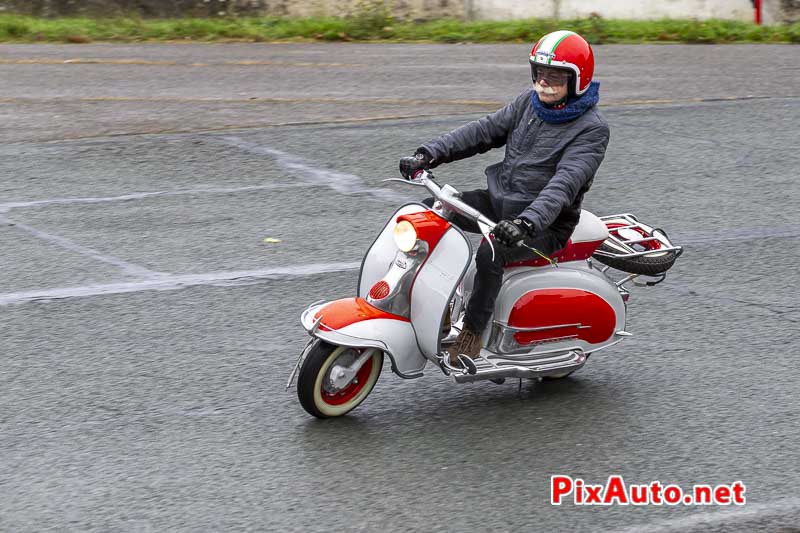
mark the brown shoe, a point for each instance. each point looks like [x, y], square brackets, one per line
[467, 343]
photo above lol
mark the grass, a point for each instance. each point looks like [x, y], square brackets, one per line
[378, 26]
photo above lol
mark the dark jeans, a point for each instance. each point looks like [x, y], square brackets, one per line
[489, 275]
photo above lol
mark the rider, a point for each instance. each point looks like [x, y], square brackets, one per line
[555, 139]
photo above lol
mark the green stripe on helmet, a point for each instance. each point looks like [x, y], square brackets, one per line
[551, 40]
[553, 50]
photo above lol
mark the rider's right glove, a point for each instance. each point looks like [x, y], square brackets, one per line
[409, 166]
[512, 232]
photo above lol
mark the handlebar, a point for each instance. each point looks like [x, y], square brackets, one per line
[448, 196]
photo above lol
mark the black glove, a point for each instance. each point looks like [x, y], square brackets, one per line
[411, 165]
[511, 232]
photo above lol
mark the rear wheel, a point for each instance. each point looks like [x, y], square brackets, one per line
[325, 388]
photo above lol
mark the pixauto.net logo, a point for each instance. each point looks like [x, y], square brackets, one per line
[616, 492]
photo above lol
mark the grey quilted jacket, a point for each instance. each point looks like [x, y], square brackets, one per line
[547, 167]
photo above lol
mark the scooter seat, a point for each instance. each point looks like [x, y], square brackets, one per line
[588, 235]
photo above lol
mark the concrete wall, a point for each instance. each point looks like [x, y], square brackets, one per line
[774, 10]
[783, 10]
[623, 9]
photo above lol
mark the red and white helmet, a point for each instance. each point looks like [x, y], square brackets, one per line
[565, 50]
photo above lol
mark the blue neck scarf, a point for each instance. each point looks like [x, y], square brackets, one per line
[575, 106]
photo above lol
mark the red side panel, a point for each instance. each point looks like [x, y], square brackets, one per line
[341, 313]
[566, 312]
[430, 226]
[571, 252]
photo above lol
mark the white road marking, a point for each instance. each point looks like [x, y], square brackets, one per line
[338, 181]
[728, 516]
[127, 268]
[169, 282]
[5, 207]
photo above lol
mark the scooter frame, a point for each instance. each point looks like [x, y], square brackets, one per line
[500, 358]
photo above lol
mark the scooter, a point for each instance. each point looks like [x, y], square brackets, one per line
[550, 315]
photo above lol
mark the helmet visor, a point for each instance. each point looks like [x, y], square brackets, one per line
[555, 77]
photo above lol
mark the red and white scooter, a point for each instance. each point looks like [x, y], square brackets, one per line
[551, 313]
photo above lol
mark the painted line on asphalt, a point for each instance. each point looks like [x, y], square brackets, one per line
[340, 182]
[348, 184]
[713, 518]
[239, 127]
[680, 101]
[611, 103]
[613, 106]
[251, 100]
[164, 282]
[79, 61]
[170, 282]
[7, 206]
[157, 63]
[127, 268]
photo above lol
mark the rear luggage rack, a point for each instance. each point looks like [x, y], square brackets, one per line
[622, 248]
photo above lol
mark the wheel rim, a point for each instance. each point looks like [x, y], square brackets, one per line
[349, 391]
[350, 396]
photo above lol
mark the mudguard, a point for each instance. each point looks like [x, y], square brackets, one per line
[354, 322]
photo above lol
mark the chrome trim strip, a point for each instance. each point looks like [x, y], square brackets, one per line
[542, 328]
[502, 341]
[499, 367]
[307, 317]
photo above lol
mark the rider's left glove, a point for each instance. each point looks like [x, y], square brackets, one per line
[409, 166]
[512, 232]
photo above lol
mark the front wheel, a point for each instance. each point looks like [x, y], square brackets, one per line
[324, 386]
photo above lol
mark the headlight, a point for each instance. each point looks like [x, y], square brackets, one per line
[405, 236]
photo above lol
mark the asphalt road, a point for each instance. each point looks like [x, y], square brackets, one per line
[147, 330]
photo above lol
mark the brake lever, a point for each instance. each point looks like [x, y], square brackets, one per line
[486, 231]
[401, 180]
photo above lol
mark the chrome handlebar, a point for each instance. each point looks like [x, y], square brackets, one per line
[449, 196]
